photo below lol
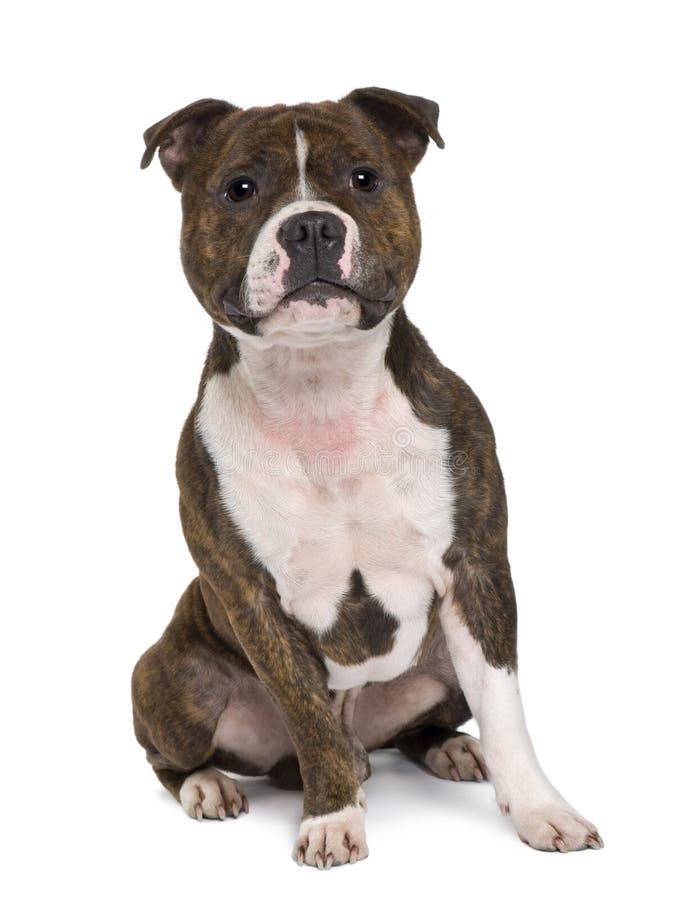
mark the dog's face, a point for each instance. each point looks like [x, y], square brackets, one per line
[298, 220]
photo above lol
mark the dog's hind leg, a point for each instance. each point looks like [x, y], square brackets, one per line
[197, 710]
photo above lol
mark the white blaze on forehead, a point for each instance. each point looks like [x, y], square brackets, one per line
[301, 150]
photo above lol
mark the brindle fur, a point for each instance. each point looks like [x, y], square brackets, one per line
[478, 555]
[363, 628]
[229, 624]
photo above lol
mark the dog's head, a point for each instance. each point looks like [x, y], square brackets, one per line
[298, 219]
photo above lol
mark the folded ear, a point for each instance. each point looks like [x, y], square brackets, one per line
[408, 120]
[179, 135]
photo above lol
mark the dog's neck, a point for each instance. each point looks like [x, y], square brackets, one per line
[327, 381]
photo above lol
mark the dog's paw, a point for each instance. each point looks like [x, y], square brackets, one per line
[459, 758]
[332, 839]
[211, 795]
[551, 827]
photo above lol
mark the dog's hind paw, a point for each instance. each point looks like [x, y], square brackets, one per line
[459, 758]
[208, 794]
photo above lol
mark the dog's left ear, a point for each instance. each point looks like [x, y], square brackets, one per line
[410, 121]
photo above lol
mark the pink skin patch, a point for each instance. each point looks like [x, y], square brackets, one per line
[346, 261]
[335, 436]
[313, 415]
[304, 311]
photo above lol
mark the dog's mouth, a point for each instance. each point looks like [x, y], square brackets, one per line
[318, 292]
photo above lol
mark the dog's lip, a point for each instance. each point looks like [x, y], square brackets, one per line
[337, 289]
[325, 289]
[237, 317]
[247, 320]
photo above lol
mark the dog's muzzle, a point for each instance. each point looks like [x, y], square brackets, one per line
[314, 243]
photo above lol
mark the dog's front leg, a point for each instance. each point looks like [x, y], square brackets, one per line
[333, 826]
[479, 620]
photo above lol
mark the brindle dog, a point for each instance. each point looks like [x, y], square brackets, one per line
[340, 492]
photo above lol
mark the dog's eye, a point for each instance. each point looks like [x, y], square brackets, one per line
[364, 180]
[240, 189]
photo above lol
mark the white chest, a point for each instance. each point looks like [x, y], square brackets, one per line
[320, 497]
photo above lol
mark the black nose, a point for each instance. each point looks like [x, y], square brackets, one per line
[314, 241]
[323, 229]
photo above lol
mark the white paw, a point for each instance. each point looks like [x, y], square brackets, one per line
[210, 794]
[552, 827]
[332, 839]
[458, 758]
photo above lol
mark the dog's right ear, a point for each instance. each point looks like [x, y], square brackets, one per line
[179, 135]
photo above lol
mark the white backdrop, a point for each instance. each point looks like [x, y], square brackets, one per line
[557, 277]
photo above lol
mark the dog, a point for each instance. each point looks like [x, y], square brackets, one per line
[340, 492]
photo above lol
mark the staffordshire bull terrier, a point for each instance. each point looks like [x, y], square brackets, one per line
[340, 491]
